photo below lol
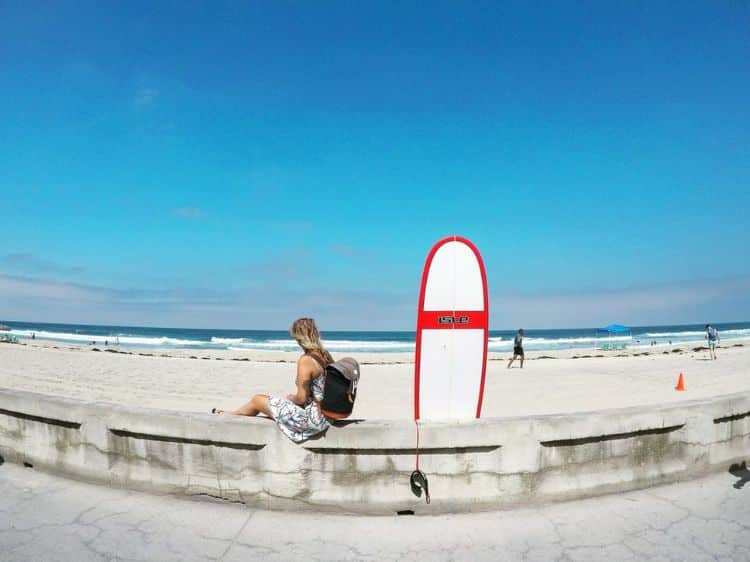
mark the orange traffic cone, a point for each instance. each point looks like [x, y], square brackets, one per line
[680, 383]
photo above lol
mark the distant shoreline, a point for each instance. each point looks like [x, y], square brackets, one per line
[200, 341]
[376, 358]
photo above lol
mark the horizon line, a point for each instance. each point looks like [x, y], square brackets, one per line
[350, 330]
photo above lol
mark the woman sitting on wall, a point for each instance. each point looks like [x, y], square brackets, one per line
[298, 415]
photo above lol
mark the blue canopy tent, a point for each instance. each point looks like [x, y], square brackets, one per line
[6, 336]
[613, 331]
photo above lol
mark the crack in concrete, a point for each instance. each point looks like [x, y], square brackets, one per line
[703, 520]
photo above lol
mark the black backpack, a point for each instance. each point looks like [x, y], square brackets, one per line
[340, 390]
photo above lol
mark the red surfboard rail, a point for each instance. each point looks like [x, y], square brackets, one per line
[450, 319]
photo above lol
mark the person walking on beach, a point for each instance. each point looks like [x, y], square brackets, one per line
[712, 335]
[298, 415]
[517, 348]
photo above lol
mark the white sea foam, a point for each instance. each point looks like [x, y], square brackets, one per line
[591, 339]
[536, 344]
[163, 341]
[495, 343]
[332, 345]
[111, 338]
[228, 341]
[726, 333]
[685, 334]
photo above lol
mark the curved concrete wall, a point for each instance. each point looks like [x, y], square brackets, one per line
[364, 466]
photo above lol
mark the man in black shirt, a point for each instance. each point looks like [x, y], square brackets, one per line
[517, 348]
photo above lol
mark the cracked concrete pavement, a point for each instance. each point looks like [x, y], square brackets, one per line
[48, 518]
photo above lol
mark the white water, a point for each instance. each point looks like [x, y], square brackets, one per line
[495, 343]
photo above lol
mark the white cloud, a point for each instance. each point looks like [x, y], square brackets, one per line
[145, 97]
[347, 251]
[28, 291]
[274, 306]
[682, 302]
[265, 307]
[189, 212]
[29, 263]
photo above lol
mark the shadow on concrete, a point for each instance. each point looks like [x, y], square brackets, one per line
[344, 423]
[334, 423]
[740, 471]
[317, 436]
[2, 460]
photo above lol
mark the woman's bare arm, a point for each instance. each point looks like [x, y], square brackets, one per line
[306, 371]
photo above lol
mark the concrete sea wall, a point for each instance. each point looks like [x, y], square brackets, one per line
[364, 466]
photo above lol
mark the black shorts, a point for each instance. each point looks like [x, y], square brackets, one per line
[517, 351]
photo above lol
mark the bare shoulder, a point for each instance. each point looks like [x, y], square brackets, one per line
[305, 360]
[307, 366]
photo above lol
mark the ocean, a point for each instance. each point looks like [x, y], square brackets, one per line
[355, 341]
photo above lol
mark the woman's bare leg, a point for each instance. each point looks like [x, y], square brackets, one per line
[258, 404]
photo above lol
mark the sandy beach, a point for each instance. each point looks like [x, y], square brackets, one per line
[549, 383]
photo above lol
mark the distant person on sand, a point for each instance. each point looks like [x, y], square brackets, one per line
[712, 335]
[517, 348]
[298, 415]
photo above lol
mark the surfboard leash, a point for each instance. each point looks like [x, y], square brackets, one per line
[418, 479]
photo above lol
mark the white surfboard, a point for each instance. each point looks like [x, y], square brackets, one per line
[452, 330]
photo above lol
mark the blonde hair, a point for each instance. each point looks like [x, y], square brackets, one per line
[306, 333]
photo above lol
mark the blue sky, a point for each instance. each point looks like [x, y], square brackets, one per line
[221, 165]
